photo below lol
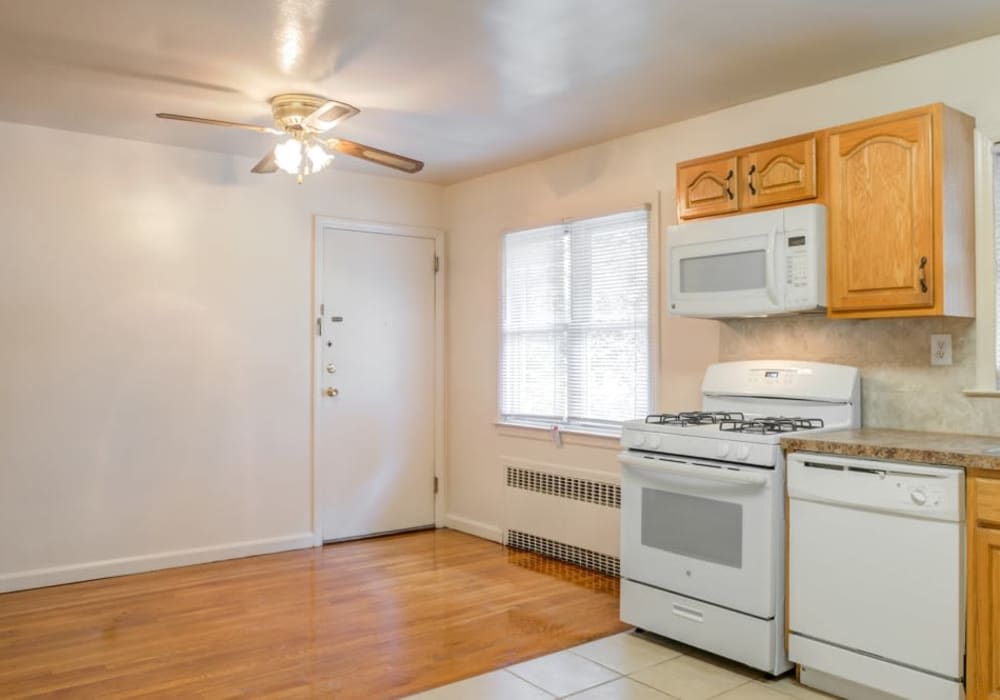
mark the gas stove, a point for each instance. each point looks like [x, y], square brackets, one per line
[748, 407]
[754, 439]
[703, 502]
[736, 422]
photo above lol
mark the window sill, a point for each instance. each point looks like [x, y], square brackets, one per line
[567, 436]
[982, 393]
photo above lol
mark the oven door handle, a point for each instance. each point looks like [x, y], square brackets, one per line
[665, 468]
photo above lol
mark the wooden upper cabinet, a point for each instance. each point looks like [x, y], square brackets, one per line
[781, 173]
[708, 187]
[983, 623]
[892, 233]
[770, 175]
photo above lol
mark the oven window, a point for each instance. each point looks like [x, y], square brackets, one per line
[691, 526]
[730, 272]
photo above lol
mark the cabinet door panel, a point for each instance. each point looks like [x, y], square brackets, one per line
[983, 672]
[707, 188]
[881, 216]
[782, 174]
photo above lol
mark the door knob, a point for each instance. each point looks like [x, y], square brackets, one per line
[331, 392]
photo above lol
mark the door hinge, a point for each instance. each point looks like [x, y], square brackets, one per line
[435, 484]
[437, 264]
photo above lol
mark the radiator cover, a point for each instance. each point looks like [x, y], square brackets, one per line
[565, 513]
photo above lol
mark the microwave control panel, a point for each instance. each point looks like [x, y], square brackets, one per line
[797, 271]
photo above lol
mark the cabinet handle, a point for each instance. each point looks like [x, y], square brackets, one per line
[753, 169]
[729, 190]
[923, 274]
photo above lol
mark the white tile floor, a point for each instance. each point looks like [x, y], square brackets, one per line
[627, 666]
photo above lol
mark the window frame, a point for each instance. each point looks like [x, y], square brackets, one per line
[584, 433]
[987, 140]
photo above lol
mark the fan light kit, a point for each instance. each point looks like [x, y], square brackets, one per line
[303, 118]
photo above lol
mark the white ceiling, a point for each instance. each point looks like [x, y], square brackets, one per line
[468, 86]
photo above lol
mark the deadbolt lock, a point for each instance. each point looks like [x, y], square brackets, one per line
[331, 392]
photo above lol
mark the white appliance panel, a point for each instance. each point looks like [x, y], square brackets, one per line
[764, 263]
[887, 681]
[876, 559]
[700, 531]
[777, 379]
[739, 637]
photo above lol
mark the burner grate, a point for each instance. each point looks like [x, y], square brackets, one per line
[770, 425]
[687, 418]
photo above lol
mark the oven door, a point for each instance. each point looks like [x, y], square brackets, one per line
[726, 273]
[702, 529]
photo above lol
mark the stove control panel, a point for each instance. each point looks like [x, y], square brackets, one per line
[695, 446]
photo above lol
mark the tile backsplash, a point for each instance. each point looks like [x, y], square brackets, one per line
[900, 388]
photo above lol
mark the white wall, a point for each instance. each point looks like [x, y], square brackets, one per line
[621, 173]
[154, 350]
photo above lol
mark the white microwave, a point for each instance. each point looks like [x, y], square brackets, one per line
[761, 264]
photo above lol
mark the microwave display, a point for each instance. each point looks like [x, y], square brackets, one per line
[794, 241]
[726, 272]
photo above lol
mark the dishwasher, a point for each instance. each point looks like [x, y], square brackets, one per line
[876, 552]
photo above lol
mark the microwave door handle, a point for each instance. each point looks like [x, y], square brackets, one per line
[771, 267]
[663, 468]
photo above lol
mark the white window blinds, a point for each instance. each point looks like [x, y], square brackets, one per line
[575, 322]
[996, 233]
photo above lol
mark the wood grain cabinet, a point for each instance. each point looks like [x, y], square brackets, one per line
[900, 237]
[983, 623]
[774, 174]
[781, 173]
[708, 187]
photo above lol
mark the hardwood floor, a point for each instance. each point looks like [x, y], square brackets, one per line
[378, 618]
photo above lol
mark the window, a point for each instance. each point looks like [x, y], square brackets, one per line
[996, 250]
[574, 330]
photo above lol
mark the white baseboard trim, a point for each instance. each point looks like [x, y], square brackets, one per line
[36, 578]
[473, 527]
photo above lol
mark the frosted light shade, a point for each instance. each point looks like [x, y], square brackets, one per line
[319, 158]
[288, 156]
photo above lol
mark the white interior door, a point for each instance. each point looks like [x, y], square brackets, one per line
[375, 434]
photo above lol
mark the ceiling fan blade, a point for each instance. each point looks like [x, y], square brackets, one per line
[266, 165]
[328, 115]
[219, 122]
[376, 155]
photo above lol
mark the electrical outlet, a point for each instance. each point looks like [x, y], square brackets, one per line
[941, 349]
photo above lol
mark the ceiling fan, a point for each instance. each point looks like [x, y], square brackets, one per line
[305, 118]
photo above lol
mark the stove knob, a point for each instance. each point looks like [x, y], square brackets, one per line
[634, 439]
[722, 450]
[742, 452]
[653, 441]
[918, 496]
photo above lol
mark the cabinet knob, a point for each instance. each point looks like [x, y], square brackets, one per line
[923, 274]
[753, 169]
[729, 190]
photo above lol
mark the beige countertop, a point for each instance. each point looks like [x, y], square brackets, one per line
[950, 449]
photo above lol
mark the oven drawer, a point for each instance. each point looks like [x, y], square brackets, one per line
[746, 639]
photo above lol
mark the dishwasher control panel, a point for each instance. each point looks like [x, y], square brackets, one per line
[920, 490]
[921, 495]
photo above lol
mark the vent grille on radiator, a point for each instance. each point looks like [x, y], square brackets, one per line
[597, 492]
[563, 516]
[586, 558]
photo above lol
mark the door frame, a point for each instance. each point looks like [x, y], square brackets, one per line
[316, 378]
